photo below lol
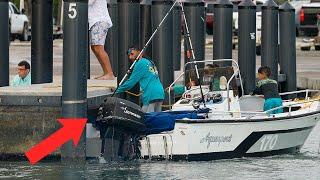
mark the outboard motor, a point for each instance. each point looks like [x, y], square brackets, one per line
[122, 114]
[119, 122]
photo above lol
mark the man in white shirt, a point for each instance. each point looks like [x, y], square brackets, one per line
[99, 23]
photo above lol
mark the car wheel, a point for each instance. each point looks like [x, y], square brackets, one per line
[305, 48]
[24, 36]
[258, 50]
[11, 36]
[317, 47]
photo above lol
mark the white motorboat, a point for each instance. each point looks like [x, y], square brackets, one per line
[234, 126]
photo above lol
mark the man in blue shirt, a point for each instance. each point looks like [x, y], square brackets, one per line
[24, 76]
[146, 73]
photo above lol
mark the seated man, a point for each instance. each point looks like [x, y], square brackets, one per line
[23, 78]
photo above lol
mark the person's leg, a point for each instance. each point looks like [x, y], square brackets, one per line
[278, 103]
[151, 107]
[98, 35]
[145, 108]
[267, 105]
[104, 61]
[158, 107]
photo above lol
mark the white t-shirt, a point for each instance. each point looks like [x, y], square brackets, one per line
[98, 11]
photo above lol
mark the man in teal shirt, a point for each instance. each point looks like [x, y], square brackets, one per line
[146, 73]
[23, 78]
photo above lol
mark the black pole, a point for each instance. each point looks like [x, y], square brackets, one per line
[4, 43]
[74, 84]
[128, 29]
[195, 16]
[145, 26]
[288, 59]
[42, 42]
[162, 43]
[269, 38]
[88, 57]
[222, 31]
[111, 45]
[177, 37]
[247, 44]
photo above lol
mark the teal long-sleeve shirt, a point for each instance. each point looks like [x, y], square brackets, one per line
[146, 74]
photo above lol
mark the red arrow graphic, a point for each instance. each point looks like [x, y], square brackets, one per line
[72, 129]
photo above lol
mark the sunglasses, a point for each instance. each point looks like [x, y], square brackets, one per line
[21, 69]
[129, 52]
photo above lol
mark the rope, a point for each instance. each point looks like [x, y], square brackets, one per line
[133, 94]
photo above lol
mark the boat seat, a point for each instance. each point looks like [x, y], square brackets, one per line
[251, 103]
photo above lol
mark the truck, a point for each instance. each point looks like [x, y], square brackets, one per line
[306, 16]
[18, 24]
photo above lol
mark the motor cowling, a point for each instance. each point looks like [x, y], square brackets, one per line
[120, 114]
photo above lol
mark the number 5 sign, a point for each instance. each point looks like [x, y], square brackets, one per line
[72, 10]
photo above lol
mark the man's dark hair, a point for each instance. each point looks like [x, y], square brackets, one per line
[212, 65]
[25, 64]
[265, 69]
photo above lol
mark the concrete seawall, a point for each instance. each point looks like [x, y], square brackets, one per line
[29, 114]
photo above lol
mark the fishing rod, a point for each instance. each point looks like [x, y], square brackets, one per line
[192, 52]
[101, 158]
[144, 48]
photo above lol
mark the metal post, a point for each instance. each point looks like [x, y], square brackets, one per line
[111, 45]
[4, 43]
[195, 16]
[287, 47]
[176, 37]
[88, 57]
[74, 84]
[128, 29]
[269, 38]
[42, 42]
[222, 31]
[162, 43]
[145, 25]
[247, 43]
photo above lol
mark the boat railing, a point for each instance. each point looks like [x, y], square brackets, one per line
[290, 106]
[307, 91]
[250, 114]
[236, 72]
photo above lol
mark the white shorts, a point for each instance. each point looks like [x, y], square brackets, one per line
[98, 33]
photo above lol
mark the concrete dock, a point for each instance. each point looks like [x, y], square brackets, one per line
[308, 62]
[29, 114]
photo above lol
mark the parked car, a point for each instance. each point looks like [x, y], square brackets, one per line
[18, 24]
[306, 16]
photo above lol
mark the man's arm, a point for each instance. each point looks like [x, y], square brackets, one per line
[257, 90]
[137, 74]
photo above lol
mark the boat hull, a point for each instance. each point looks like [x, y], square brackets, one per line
[202, 140]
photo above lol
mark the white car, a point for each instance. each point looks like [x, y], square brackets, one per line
[18, 23]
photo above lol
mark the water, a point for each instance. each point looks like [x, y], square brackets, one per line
[305, 165]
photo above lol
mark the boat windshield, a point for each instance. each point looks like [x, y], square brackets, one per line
[211, 77]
